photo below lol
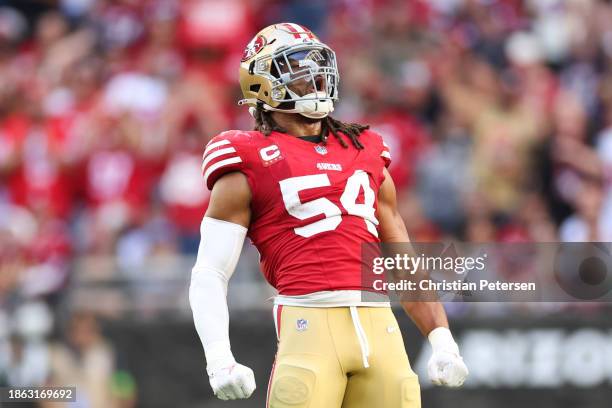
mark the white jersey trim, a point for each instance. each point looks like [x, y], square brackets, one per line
[214, 155]
[220, 164]
[215, 145]
[334, 298]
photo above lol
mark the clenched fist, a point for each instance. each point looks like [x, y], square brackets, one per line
[230, 380]
[445, 367]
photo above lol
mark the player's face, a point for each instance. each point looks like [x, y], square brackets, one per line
[303, 68]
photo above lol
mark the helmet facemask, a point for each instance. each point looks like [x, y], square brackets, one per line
[304, 79]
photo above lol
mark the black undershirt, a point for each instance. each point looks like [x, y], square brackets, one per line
[312, 139]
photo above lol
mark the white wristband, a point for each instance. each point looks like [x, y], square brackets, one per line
[441, 339]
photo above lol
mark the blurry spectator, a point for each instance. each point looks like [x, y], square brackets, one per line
[586, 224]
[120, 23]
[18, 231]
[444, 177]
[181, 189]
[138, 244]
[569, 160]
[220, 24]
[504, 131]
[11, 265]
[535, 219]
[419, 227]
[86, 361]
[480, 229]
[604, 153]
[26, 362]
[76, 8]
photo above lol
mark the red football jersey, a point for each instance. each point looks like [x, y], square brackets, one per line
[313, 205]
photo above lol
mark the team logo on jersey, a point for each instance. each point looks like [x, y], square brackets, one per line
[270, 154]
[301, 324]
[322, 150]
[253, 48]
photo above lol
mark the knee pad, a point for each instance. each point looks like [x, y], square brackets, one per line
[292, 387]
[411, 393]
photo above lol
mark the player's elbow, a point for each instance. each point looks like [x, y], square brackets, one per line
[205, 281]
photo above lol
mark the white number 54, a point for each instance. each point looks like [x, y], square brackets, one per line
[291, 187]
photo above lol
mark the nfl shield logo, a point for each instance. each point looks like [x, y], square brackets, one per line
[321, 149]
[301, 324]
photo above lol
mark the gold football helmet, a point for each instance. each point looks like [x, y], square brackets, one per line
[286, 68]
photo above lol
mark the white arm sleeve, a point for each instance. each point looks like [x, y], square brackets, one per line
[220, 247]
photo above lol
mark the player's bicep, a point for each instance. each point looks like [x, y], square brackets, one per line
[230, 199]
[391, 225]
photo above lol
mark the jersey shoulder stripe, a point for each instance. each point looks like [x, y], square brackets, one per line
[378, 146]
[226, 152]
[213, 145]
[219, 166]
[386, 154]
[217, 153]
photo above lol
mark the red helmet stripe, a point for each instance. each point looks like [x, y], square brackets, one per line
[306, 31]
[291, 28]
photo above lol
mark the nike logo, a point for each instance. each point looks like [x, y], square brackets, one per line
[391, 329]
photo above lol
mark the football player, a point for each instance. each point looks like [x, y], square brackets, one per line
[308, 190]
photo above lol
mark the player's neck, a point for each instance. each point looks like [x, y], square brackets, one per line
[296, 124]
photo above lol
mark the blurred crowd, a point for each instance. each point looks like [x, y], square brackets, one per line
[498, 114]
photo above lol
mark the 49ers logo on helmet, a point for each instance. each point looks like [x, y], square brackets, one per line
[254, 47]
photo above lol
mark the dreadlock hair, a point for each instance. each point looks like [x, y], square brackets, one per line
[266, 125]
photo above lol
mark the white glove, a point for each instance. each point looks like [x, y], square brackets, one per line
[445, 367]
[230, 380]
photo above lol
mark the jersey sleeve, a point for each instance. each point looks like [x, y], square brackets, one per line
[386, 154]
[380, 148]
[225, 153]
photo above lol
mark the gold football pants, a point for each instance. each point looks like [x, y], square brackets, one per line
[322, 358]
